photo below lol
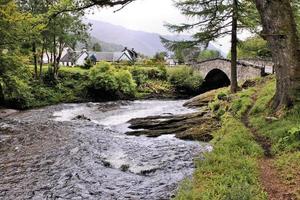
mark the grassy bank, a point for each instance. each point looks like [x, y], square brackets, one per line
[236, 168]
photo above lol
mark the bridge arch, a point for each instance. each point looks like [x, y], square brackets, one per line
[245, 70]
[215, 78]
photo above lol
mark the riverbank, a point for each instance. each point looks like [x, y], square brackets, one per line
[102, 82]
[256, 152]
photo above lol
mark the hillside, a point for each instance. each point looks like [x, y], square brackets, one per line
[105, 46]
[144, 42]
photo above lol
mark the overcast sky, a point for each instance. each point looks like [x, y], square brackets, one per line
[149, 16]
[142, 15]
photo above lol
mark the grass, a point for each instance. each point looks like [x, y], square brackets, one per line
[74, 70]
[231, 170]
[284, 132]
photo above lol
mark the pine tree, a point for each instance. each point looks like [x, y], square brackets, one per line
[212, 20]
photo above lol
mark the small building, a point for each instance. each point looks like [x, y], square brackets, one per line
[171, 61]
[125, 55]
[78, 58]
[74, 58]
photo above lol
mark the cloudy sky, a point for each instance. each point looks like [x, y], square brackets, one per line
[142, 15]
[149, 16]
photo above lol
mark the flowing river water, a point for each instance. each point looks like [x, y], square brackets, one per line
[51, 153]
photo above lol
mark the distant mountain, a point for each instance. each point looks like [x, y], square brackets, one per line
[143, 42]
[106, 46]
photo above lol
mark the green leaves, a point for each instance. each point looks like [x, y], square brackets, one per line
[109, 82]
[185, 79]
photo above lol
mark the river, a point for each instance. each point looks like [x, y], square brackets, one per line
[51, 153]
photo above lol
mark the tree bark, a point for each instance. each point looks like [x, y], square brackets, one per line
[35, 60]
[42, 62]
[1, 96]
[234, 84]
[279, 29]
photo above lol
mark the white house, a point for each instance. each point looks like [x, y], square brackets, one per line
[78, 58]
[125, 55]
[171, 61]
[47, 55]
[74, 58]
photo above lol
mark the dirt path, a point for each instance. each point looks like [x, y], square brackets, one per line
[269, 177]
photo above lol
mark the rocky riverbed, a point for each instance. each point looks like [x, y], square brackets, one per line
[81, 151]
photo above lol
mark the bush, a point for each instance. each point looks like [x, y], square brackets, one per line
[14, 78]
[139, 75]
[105, 79]
[16, 91]
[88, 64]
[185, 80]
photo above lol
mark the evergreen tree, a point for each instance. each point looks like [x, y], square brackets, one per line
[212, 20]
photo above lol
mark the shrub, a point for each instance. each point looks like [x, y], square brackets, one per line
[126, 84]
[185, 79]
[14, 78]
[105, 79]
[139, 75]
[16, 91]
[88, 64]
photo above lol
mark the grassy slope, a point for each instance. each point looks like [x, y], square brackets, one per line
[231, 170]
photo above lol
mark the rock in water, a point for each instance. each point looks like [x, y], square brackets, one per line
[81, 117]
[201, 100]
[194, 126]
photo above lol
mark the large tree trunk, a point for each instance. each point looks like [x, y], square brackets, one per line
[279, 29]
[234, 84]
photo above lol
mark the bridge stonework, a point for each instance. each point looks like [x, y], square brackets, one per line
[245, 70]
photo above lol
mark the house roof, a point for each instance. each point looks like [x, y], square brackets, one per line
[103, 56]
[110, 56]
[72, 56]
[126, 54]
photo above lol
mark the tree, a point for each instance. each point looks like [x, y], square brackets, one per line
[280, 30]
[97, 47]
[253, 47]
[160, 56]
[36, 8]
[208, 54]
[65, 31]
[215, 19]
[15, 28]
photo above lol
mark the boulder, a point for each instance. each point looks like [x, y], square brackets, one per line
[194, 126]
[81, 117]
[248, 84]
[202, 99]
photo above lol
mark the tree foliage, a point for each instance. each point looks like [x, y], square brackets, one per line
[208, 54]
[97, 47]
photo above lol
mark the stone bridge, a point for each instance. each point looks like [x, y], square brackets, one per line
[217, 72]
